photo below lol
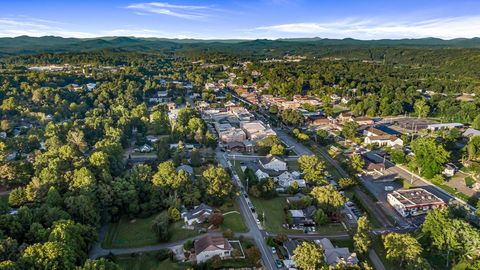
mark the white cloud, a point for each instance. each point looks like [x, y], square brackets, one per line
[377, 28]
[192, 12]
[11, 27]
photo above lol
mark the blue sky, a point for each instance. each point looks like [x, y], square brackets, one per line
[244, 19]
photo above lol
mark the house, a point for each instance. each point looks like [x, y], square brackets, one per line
[303, 218]
[384, 140]
[363, 121]
[186, 146]
[318, 121]
[334, 256]
[261, 174]
[152, 138]
[449, 170]
[145, 148]
[294, 199]
[286, 179]
[186, 168]
[413, 202]
[210, 246]
[271, 162]
[250, 146]
[470, 133]
[171, 106]
[290, 246]
[91, 86]
[236, 146]
[197, 215]
[372, 167]
[434, 127]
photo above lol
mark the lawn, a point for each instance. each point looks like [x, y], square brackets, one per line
[275, 216]
[237, 167]
[273, 210]
[293, 165]
[138, 233]
[147, 261]
[233, 220]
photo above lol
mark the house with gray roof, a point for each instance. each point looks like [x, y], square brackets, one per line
[197, 215]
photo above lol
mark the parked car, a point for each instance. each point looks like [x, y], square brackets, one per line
[279, 263]
[274, 250]
[388, 188]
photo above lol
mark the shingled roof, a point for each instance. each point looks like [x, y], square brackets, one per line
[211, 243]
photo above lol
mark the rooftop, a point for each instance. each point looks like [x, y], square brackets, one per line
[415, 197]
[215, 242]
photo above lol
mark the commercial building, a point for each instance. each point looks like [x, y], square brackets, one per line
[413, 202]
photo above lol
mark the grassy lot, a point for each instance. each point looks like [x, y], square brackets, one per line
[330, 228]
[138, 232]
[293, 165]
[274, 214]
[238, 170]
[147, 261]
[233, 221]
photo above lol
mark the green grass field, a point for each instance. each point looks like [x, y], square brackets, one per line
[234, 220]
[138, 233]
[274, 214]
[147, 261]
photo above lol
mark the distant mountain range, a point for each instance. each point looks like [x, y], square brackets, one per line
[30, 45]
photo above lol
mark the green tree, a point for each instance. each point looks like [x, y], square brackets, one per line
[349, 130]
[48, 255]
[476, 122]
[308, 256]
[356, 162]
[328, 197]
[320, 217]
[346, 182]
[429, 156]
[99, 264]
[219, 185]
[421, 108]
[160, 226]
[402, 248]
[277, 149]
[313, 168]
[362, 239]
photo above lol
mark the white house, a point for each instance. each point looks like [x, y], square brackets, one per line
[384, 140]
[261, 174]
[145, 148]
[271, 162]
[449, 170]
[286, 179]
[210, 246]
[197, 215]
[471, 132]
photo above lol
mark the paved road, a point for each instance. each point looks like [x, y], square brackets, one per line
[99, 252]
[300, 149]
[256, 234]
[377, 263]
